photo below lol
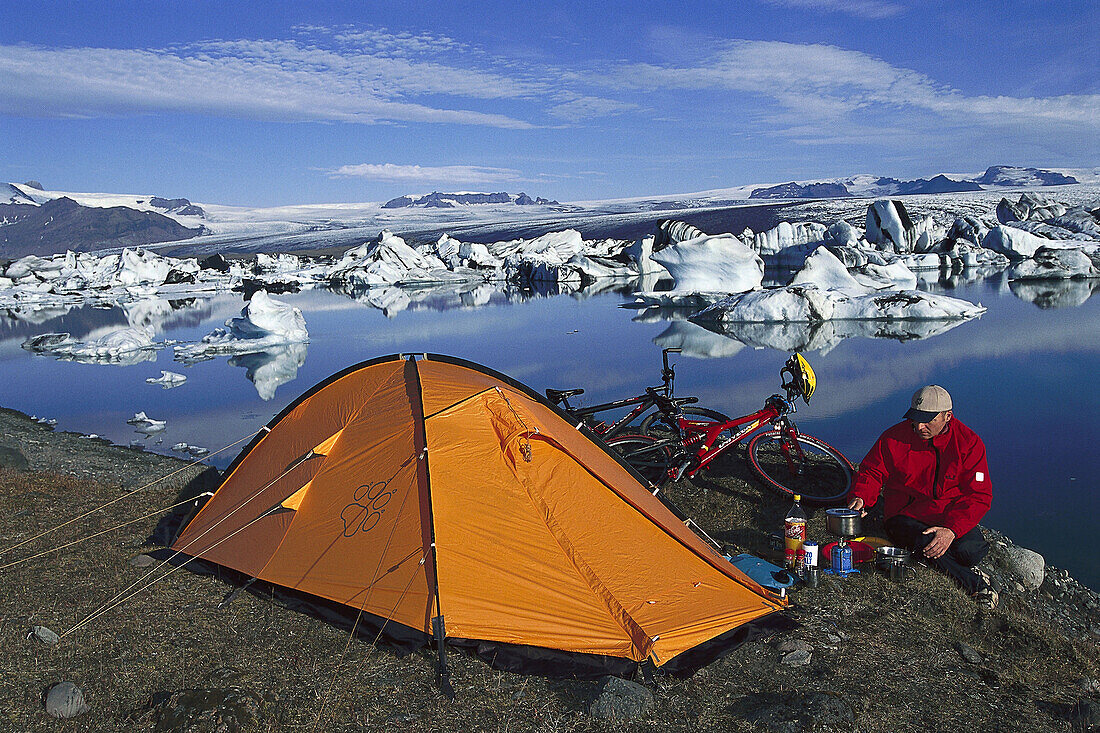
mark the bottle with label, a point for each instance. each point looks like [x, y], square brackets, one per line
[794, 534]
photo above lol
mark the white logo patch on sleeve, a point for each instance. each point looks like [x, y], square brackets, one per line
[979, 476]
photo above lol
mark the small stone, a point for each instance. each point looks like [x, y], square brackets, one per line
[1090, 685]
[65, 700]
[791, 645]
[1086, 714]
[44, 635]
[832, 638]
[142, 561]
[969, 653]
[620, 699]
[798, 658]
[1020, 587]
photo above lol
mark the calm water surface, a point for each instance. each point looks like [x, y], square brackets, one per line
[1024, 377]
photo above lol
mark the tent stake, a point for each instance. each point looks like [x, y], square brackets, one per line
[443, 674]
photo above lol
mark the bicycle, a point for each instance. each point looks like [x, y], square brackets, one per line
[672, 445]
[640, 403]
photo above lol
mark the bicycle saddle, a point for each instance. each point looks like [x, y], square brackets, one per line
[557, 395]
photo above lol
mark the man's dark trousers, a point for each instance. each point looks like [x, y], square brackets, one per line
[965, 552]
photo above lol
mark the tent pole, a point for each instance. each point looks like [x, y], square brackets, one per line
[420, 441]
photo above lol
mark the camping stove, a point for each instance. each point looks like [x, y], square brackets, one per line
[845, 524]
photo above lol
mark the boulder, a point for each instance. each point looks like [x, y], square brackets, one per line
[619, 699]
[13, 458]
[1025, 564]
[65, 700]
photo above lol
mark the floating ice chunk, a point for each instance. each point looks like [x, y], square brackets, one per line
[137, 266]
[673, 299]
[168, 380]
[1016, 244]
[124, 346]
[894, 276]
[786, 235]
[144, 424]
[192, 450]
[1054, 264]
[151, 427]
[264, 322]
[640, 253]
[890, 227]
[822, 268]
[842, 234]
[717, 264]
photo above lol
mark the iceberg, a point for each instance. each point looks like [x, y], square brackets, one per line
[168, 380]
[264, 322]
[124, 347]
[718, 263]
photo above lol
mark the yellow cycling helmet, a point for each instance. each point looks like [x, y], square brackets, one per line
[803, 380]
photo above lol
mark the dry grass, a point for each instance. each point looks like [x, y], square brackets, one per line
[896, 665]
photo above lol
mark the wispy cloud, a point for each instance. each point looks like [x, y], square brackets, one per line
[873, 9]
[366, 78]
[814, 82]
[447, 174]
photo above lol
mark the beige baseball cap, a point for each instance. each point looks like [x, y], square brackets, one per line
[928, 402]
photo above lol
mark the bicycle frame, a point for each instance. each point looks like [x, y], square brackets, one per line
[643, 402]
[700, 440]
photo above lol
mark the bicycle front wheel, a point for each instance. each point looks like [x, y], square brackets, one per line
[814, 469]
[648, 456]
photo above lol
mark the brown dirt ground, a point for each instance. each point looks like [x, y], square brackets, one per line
[895, 665]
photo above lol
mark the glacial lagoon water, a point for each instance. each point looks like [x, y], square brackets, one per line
[1024, 376]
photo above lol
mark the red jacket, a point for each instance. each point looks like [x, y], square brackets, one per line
[943, 481]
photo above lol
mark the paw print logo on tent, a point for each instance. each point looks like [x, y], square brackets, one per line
[367, 506]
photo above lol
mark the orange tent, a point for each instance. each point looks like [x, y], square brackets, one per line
[434, 496]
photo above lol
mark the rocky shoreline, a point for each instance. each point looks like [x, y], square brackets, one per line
[869, 654]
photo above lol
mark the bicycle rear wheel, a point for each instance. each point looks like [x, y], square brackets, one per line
[818, 472]
[659, 425]
[650, 457]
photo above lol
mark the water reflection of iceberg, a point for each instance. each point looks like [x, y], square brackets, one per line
[1054, 293]
[697, 341]
[271, 368]
[822, 336]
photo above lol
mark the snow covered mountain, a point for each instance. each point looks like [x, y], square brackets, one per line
[437, 200]
[105, 221]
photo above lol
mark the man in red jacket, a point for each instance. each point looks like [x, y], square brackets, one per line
[935, 488]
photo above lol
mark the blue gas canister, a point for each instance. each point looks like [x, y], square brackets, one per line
[842, 559]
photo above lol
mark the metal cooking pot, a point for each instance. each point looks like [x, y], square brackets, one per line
[891, 555]
[894, 561]
[843, 522]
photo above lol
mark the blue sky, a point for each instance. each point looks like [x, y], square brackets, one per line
[271, 103]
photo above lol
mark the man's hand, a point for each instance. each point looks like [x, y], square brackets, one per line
[858, 505]
[942, 539]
